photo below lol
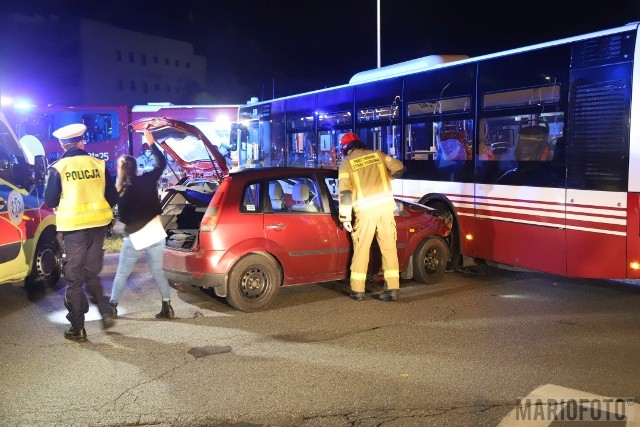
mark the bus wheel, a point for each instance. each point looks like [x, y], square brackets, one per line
[430, 260]
[253, 283]
[47, 267]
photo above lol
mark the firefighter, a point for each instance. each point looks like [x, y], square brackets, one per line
[83, 193]
[364, 184]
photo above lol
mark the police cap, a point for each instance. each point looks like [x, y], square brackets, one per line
[70, 134]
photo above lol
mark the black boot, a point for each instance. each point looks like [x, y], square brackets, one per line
[166, 312]
[114, 309]
[108, 321]
[77, 335]
[389, 295]
[358, 296]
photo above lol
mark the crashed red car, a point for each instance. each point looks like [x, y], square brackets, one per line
[246, 233]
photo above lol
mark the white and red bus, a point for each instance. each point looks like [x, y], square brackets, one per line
[535, 151]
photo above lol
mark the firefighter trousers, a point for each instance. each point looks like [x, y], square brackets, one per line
[383, 227]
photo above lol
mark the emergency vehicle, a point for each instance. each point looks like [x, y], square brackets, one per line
[29, 247]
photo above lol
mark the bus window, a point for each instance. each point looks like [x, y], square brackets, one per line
[384, 138]
[301, 142]
[331, 127]
[419, 142]
[528, 137]
[273, 141]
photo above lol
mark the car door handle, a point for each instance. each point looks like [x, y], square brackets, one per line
[279, 226]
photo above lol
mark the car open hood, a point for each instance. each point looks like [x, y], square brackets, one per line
[186, 144]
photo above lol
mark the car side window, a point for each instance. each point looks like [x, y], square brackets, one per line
[251, 199]
[305, 195]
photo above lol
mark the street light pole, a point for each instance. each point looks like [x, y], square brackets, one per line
[378, 33]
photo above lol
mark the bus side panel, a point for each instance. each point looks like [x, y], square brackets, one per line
[633, 235]
[596, 234]
[502, 242]
[521, 226]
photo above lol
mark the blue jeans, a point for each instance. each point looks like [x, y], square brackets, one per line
[128, 258]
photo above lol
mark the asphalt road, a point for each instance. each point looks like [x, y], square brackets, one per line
[459, 353]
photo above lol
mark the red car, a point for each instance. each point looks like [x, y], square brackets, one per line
[249, 232]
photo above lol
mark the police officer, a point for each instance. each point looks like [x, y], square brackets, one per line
[83, 193]
[364, 184]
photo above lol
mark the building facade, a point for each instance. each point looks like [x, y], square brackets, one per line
[84, 62]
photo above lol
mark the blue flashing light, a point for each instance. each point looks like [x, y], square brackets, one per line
[23, 105]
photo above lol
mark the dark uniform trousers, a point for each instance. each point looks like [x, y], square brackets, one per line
[84, 254]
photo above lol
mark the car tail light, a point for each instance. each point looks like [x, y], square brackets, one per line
[210, 218]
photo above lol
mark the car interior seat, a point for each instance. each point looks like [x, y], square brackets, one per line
[300, 195]
[532, 142]
[277, 196]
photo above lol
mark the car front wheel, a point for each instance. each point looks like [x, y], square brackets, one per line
[254, 283]
[430, 260]
[46, 268]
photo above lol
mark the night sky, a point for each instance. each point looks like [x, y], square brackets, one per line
[280, 47]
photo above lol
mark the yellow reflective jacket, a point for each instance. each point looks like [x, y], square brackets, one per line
[82, 201]
[364, 183]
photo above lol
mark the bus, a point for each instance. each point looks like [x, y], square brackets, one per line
[107, 137]
[535, 151]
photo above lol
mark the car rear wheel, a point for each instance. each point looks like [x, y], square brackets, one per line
[430, 260]
[254, 283]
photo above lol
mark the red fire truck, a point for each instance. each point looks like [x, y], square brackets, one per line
[107, 135]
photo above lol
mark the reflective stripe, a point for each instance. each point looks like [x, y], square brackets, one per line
[392, 274]
[382, 168]
[374, 200]
[358, 276]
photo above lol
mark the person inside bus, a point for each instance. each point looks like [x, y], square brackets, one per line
[146, 160]
[83, 194]
[364, 184]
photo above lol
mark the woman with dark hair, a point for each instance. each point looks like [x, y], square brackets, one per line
[139, 207]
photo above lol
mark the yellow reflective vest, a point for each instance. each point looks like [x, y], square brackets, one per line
[364, 182]
[82, 201]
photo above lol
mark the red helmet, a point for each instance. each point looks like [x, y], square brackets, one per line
[348, 138]
[348, 141]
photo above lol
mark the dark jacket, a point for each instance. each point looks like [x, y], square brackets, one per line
[140, 202]
[53, 190]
